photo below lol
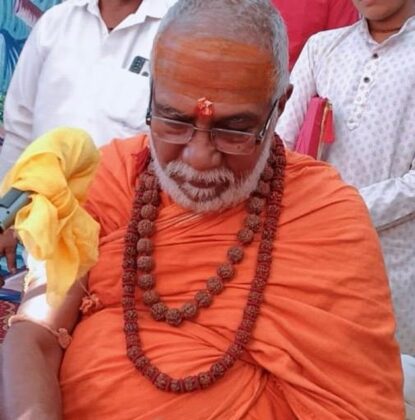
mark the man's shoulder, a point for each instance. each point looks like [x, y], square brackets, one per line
[329, 39]
[60, 11]
[325, 235]
[301, 164]
[55, 19]
[128, 145]
[316, 193]
[332, 34]
[124, 150]
[111, 192]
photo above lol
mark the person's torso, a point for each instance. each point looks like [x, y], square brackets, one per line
[92, 78]
[186, 255]
[284, 365]
[372, 89]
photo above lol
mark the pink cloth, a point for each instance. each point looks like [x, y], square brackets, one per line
[307, 17]
[317, 130]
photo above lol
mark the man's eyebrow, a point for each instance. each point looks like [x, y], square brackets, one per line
[169, 111]
[245, 117]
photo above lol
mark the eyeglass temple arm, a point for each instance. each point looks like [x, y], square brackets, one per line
[149, 110]
[264, 129]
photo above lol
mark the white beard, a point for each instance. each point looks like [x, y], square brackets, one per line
[206, 200]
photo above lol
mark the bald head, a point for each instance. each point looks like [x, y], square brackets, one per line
[233, 27]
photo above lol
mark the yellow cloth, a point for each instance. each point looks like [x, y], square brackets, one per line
[58, 168]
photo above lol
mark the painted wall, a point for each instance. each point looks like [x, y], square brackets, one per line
[17, 17]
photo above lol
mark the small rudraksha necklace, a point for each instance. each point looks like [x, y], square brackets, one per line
[138, 259]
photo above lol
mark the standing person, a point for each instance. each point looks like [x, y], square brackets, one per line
[234, 280]
[307, 17]
[85, 65]
[367, 72]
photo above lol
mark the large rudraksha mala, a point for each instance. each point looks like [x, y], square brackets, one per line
[138, 265]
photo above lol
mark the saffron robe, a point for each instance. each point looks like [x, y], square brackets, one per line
[323, 347]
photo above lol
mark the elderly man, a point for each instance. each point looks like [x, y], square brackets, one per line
[234, 280]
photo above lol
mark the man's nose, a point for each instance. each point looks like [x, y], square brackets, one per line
[200, 153]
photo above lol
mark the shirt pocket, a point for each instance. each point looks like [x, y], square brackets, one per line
[124, 97]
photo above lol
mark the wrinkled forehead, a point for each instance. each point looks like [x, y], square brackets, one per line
[221, 69]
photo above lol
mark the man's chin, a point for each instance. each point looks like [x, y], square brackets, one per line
[197, 194]
[201, 197]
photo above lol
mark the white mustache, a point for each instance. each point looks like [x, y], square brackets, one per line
[188, 174]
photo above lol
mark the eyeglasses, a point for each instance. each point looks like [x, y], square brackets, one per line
[231, 142]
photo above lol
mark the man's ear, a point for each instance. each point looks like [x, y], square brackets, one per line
[284, 98]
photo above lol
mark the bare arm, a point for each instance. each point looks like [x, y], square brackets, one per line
[32, 356]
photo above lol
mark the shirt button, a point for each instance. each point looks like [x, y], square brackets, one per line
[366, 79]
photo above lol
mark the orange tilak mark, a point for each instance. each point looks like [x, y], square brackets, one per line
[205, 107]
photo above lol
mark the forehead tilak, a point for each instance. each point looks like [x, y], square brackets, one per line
[204, 108]
[215, 65]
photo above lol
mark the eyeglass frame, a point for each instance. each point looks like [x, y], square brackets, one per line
[259, 136]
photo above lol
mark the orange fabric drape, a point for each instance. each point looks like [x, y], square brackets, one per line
[323, 347]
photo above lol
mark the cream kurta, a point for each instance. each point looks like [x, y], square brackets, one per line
[372, 89]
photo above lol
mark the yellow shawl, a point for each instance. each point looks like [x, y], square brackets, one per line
[57, 168]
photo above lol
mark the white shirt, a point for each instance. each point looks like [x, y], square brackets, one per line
[372, 89]
[74, 72]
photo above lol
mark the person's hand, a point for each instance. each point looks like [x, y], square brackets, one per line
[8, 245]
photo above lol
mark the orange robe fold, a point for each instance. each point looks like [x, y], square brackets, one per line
[323, 346]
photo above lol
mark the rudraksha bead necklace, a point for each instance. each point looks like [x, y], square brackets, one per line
[137, 258]
[225, 272]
